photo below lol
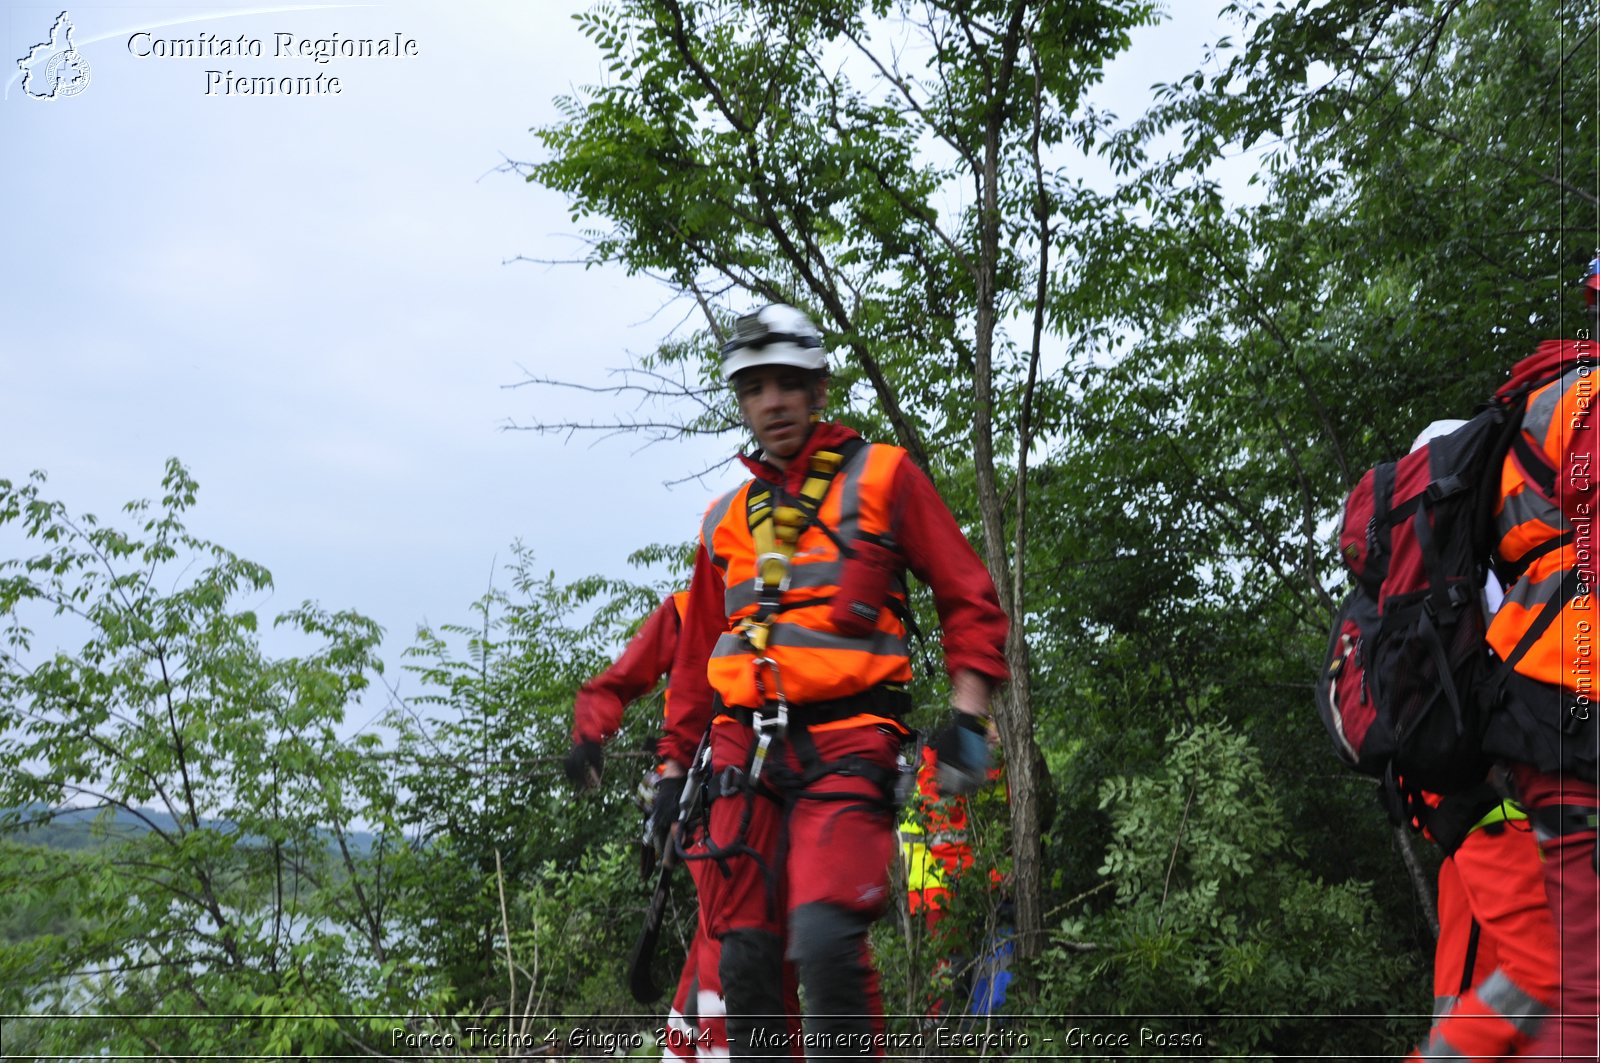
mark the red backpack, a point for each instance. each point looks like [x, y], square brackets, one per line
[1408, 680]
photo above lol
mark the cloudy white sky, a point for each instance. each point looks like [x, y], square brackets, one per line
[305, 298]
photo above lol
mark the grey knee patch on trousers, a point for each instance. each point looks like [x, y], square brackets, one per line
[825, 933]
[752, 986]
[828, 946]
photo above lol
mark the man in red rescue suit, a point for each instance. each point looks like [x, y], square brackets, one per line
[933, 844]
[1545, 724]
[1494, 967]
[695, 1021]
[1494, 970]
[797, 623]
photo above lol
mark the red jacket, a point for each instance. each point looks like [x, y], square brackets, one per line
[597, 714]
[934, 549]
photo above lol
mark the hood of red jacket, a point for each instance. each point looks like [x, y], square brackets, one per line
[1546, 360]
[826, 434]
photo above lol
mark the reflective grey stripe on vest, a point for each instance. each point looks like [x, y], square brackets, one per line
[1442, 1005]
[1529, 506]
[948, 837]
[808, 576]
[849, 481]
[1530, 595]
[708, 527]
[1536, 422]
[794, 636]
[1499, 992]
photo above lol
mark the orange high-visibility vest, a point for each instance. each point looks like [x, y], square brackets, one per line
[814, 662]
[933, 840]
[1526, 521]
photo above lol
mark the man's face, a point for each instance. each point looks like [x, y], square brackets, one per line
[776, 402]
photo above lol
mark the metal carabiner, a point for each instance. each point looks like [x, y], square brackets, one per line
[776, 721]
[768, 725]
[759, 758]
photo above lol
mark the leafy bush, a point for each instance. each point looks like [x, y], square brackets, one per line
[1213, 919]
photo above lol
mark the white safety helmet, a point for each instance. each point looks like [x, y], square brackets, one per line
[1435, 430]
[774, 335]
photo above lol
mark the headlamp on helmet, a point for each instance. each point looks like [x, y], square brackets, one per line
[774, 335]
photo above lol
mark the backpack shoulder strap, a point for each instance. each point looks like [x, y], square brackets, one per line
[1511, 440]
[1534, 465]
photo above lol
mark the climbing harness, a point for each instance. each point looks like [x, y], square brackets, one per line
[776, 520]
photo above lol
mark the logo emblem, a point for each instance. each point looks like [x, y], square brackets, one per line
[54, 68]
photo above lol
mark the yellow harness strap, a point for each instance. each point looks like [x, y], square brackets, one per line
[1500, 813]
[776, 531]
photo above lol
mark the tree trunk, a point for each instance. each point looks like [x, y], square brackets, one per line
[1015, 722]
[1404, 841]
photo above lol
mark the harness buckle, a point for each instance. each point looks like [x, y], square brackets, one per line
[755, 634]
[729, 782]
[774, 723]
[762, 586]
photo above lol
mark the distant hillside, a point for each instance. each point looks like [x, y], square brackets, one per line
[90, 828]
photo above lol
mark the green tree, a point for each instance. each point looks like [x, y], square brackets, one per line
[1391, 275]
[1425, 201]
[245, 894]
[543, 904]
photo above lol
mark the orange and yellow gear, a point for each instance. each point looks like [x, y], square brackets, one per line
[1537, 537]
[1546, 725]
[933, 842]
[795, 653]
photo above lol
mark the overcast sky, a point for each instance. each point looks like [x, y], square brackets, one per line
[305, 298]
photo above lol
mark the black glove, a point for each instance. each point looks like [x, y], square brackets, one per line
[961, 749]
[583, 765]
[663, 812]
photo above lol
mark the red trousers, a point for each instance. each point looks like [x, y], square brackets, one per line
[1491, 988]
[806, 856]
[696, 1025]
[1573, 891]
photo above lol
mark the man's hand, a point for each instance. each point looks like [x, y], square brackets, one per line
[664, 813]
[961, 750]
[583, 765]
[969, 692]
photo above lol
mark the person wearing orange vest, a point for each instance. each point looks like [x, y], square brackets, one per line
[1494, 971]
[937, 852]
[797, 612]
[1545, 724]
[933, 844]
[695, 1026]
